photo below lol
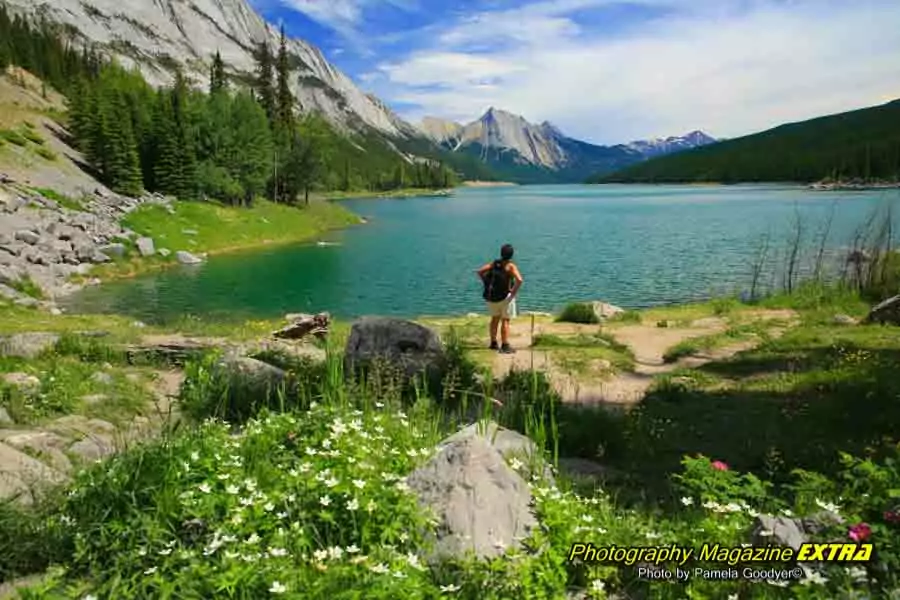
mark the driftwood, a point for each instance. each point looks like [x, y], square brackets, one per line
[304, 325]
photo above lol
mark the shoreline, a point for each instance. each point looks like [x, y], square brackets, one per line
[141, 265]
[399, 193]
[485, 184]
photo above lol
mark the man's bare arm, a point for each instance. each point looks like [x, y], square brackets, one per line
[480, 272]
[517, 280]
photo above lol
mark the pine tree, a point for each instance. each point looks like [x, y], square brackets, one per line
[166, 171]
[186, 185]
[217, 75]
[264, 85]
[284, 99]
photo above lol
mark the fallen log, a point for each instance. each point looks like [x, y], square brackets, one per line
[304, 325]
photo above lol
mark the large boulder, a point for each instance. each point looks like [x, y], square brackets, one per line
[27, 236]
[27, 345]
[412, 348]
[605, 311]
[483, 507]
[22, 476]
[114, 250]
[512, 445]
[888, 312]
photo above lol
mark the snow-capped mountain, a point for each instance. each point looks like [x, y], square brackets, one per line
[505, 140]
[152, 34]
[660, 146]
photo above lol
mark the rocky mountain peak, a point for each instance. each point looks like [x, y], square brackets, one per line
[152, 35]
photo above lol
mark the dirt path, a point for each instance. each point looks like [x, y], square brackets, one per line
[648, 343]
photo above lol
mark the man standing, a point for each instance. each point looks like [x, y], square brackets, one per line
[502, 281]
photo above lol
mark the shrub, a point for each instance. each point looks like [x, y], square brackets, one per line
[578, 312]
[46, 154]
[13, 137]
[32, 136]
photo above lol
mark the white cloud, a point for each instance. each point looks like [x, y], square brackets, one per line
[728, 67]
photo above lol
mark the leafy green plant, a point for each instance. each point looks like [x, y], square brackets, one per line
[578, 312]
[13, 137]
[46, 154]
[32, 136]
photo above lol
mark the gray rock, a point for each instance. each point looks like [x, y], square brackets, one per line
[782, 531]
[145, 246]
[115, 250]
[164, 252]
[5, 419]
[93, 448]
[843, 320]
[10, 275]
[9, 293]
[27, 345]
[49, 447]
[67, 233]
[27, 236]
[102, 378]
[605, 311]
[411, 348]
[888, 312]
[80, 426]
[483, 507]
[92, 399]
[186, 258]
[250, 376]
[22, 477]
[16, 248]
[23, 381]
[98, 257]
[510, 444]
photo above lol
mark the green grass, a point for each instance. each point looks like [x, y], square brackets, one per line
[711, 342]
[46, 154]
[13, 137]
[61, 199]
[193, 513]
[65, 381]
[221, 228]
[28, 287]
[32, 136]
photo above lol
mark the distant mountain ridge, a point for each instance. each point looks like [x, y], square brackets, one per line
[529, 153]
[860, 144]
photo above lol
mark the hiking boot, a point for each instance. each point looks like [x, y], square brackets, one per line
[494, 346]
[506, 349]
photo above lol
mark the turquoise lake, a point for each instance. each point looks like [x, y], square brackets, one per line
[634, 246]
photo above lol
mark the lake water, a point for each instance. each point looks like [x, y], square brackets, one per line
[634, 246]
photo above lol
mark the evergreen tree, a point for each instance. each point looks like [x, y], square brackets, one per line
[166, 170]
[265, 90]
[217, 75]
[186, 185]
[284, 99]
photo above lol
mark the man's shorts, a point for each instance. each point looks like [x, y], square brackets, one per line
[505, 309]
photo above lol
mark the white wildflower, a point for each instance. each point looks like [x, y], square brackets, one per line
[233, 489]
[371, 506]
[352, 549]
[253, 539]
[195, 456]
[269, 507]
[597, 585]
[857, 574]
[359, 484]
[516, 464]
[278, 588]
[687, 501]
[277, 552]
[324, 500]
[335, 552]
[380, 568]
[150, 571]
[829, 506]
[165, 552]
[449, 589]
[815, 578]
[204, 487]
[320, 555]
[331, 482]
[353, 505]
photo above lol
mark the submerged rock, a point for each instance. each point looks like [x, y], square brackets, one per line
[186, 258]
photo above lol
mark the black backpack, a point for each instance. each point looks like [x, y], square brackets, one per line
[496, 282]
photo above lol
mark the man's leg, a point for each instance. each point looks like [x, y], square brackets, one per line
[495, 323]
[504, 332]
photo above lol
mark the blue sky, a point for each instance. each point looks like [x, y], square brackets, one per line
[610, 71]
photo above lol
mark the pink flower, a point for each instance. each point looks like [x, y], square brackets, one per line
[892, 516]
[718, 465]
[860, 532]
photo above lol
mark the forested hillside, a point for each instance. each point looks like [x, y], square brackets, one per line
[861, 144]
[226, 143]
